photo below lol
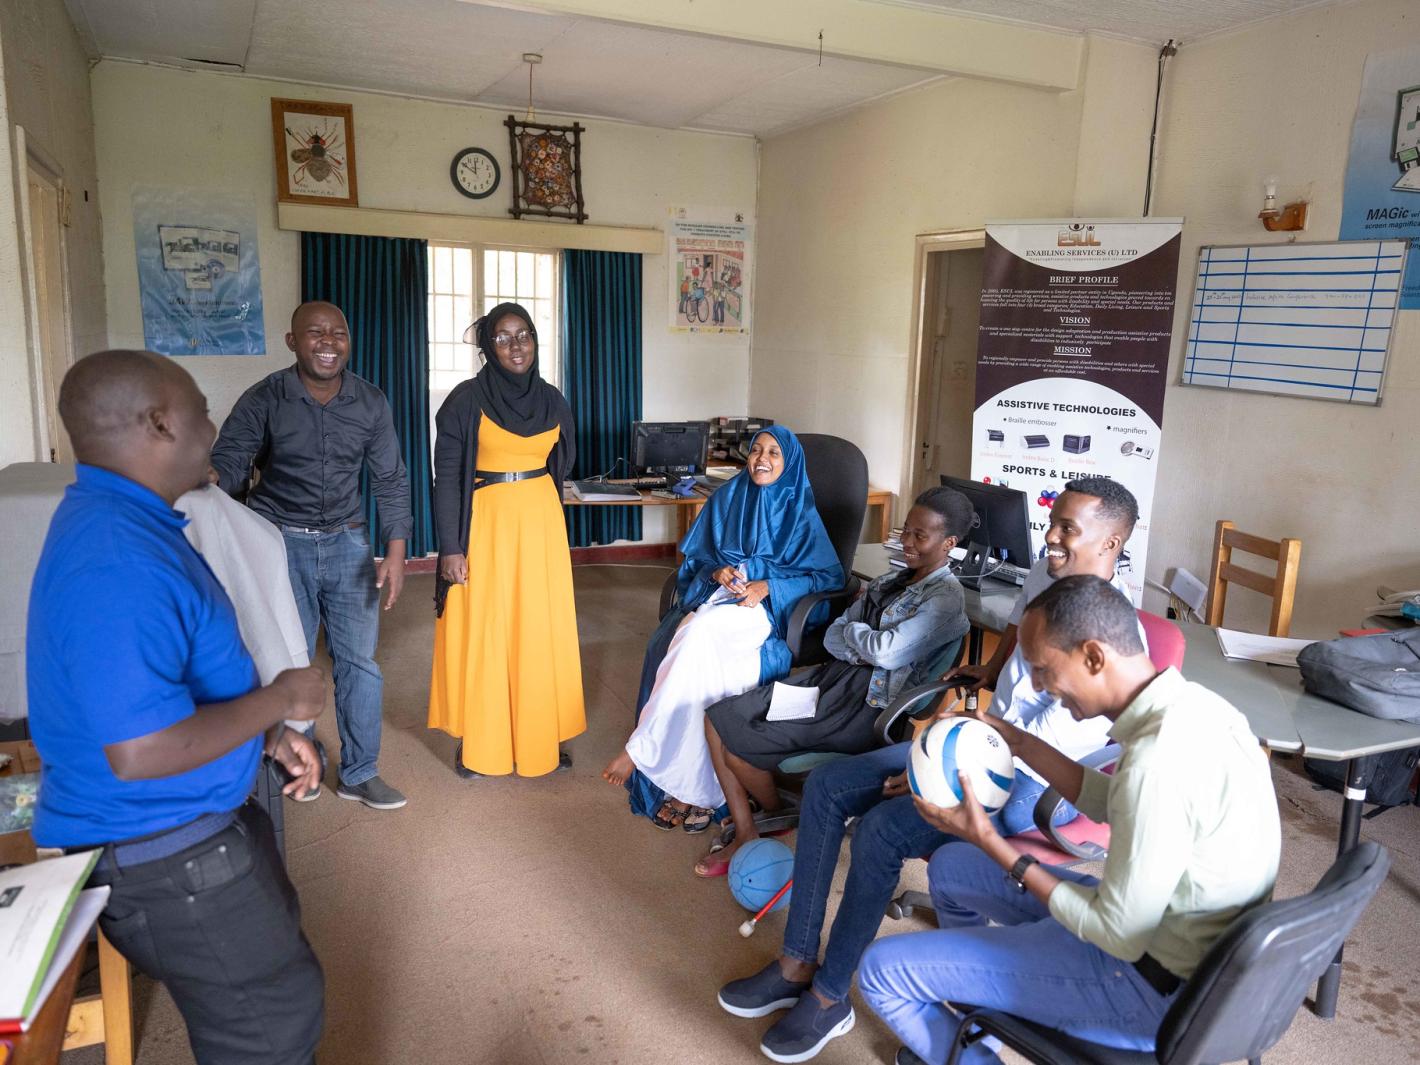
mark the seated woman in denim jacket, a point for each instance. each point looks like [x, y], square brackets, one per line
[882, 645]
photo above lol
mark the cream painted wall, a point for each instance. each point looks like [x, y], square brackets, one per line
[840, 204]
[163, 126]
[1279, 98]
[46, 90]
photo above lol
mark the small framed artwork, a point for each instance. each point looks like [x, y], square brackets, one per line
[315, 152]
[547, 170]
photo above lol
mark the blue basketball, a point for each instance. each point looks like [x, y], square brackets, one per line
[759, 869]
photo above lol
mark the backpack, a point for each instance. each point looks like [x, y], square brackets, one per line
[1375, 675]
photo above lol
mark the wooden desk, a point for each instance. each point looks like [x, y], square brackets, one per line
[105, 1018]
[42, 1044]
[688, 509]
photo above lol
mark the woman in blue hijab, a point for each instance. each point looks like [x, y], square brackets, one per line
[758, 547]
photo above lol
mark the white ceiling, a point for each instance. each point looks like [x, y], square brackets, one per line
[1144, 20]
[452, 49]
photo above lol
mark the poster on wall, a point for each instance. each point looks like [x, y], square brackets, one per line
[1072, 359]
[199, 278]
[711, 257]
[1382, 195]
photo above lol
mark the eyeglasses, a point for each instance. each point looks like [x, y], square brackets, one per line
[506, 340]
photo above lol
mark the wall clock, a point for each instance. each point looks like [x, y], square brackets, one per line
[474, 173]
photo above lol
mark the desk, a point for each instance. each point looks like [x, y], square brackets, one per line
[1286, 717]
[988, 607]
[688, 509]
[105, 1018]
[42, 1044]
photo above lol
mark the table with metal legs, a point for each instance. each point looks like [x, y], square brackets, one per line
[1285, 717]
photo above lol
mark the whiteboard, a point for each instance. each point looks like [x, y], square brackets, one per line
[1308, 320]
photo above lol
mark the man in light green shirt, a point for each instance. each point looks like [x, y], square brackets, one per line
[1194, 842]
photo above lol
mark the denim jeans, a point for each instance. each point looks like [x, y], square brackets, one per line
[219, 925]
[1027, 965]
[889, 832]
[333, 577]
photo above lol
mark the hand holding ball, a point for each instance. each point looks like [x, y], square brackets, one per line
[965, 745]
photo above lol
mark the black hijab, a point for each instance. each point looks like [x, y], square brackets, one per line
[522, 403]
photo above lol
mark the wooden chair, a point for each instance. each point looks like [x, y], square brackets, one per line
[1281, 586]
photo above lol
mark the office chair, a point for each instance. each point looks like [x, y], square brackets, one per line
[1079, 840]
[1245, 992]
[838, 475]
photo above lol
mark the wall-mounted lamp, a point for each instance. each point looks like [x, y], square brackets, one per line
[1284, 219]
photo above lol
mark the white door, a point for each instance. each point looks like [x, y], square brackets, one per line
[46, 259]
[946, 401]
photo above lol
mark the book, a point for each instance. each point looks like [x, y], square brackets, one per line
[18, 795]
[39, 915]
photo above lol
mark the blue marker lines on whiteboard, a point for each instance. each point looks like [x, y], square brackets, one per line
[1295, 319]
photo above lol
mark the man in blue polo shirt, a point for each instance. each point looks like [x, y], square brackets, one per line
[150, 723]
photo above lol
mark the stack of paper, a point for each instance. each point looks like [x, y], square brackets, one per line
[792, 703]
[1275, 650]
[44, 919]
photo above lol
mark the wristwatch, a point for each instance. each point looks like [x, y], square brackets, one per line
[1017, 872]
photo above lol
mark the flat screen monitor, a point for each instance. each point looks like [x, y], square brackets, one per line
[1001, 528]
[672, 448]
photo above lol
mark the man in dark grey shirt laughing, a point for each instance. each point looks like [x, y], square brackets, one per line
[309, 430]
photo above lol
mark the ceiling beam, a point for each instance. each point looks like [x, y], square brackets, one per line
[879, 32]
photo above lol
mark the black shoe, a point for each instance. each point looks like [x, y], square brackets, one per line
[761, 994]
[806, 1029]
[462, 770]
[907, 1057]
[564, 762]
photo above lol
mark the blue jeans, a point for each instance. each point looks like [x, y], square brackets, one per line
[889, 833]
[333, 577]
[1027, 965]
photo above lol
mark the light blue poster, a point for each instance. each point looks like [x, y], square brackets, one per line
[199, 278]
[1382, 199]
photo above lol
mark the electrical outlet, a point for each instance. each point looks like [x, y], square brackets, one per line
[1189, 589]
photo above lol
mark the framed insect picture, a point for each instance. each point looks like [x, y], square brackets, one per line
[315, 152]
[547, 170]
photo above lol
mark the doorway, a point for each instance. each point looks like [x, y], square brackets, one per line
[49, 301]
[944, 399]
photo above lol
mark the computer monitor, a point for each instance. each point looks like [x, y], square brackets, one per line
[1001, 529]
[671, 448]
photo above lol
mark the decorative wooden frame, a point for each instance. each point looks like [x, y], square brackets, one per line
[300, 155]
[555, 188]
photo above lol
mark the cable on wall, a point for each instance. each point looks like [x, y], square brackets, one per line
[1166, 53]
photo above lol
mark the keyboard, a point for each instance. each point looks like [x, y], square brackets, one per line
[660, 481]
[1010, 574]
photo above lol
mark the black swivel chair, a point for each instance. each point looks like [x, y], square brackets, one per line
[1246, 991]
[838, 475]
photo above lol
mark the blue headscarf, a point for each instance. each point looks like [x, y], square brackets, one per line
[772, 533]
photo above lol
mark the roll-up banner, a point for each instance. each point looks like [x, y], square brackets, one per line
[1072, 359]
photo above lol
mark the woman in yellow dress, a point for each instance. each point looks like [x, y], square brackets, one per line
[507, 666]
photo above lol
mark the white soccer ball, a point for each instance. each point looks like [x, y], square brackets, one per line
[961, 744]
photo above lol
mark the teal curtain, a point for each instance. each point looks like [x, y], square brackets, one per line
[601, 371]
[382, 285]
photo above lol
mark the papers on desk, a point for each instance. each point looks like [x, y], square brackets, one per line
[44, 919]
[789, 702]
[1274, 650]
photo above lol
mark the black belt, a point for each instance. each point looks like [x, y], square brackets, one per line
[1157, 977]
[328, 529]
[162, 844]
[483, 478]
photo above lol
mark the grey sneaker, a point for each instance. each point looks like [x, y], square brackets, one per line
[374, 793]
[806, 1029]
[761, 994]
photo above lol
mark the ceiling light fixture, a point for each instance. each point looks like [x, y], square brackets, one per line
[532, 59]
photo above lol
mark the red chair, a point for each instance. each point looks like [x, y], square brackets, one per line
[1079, 840]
